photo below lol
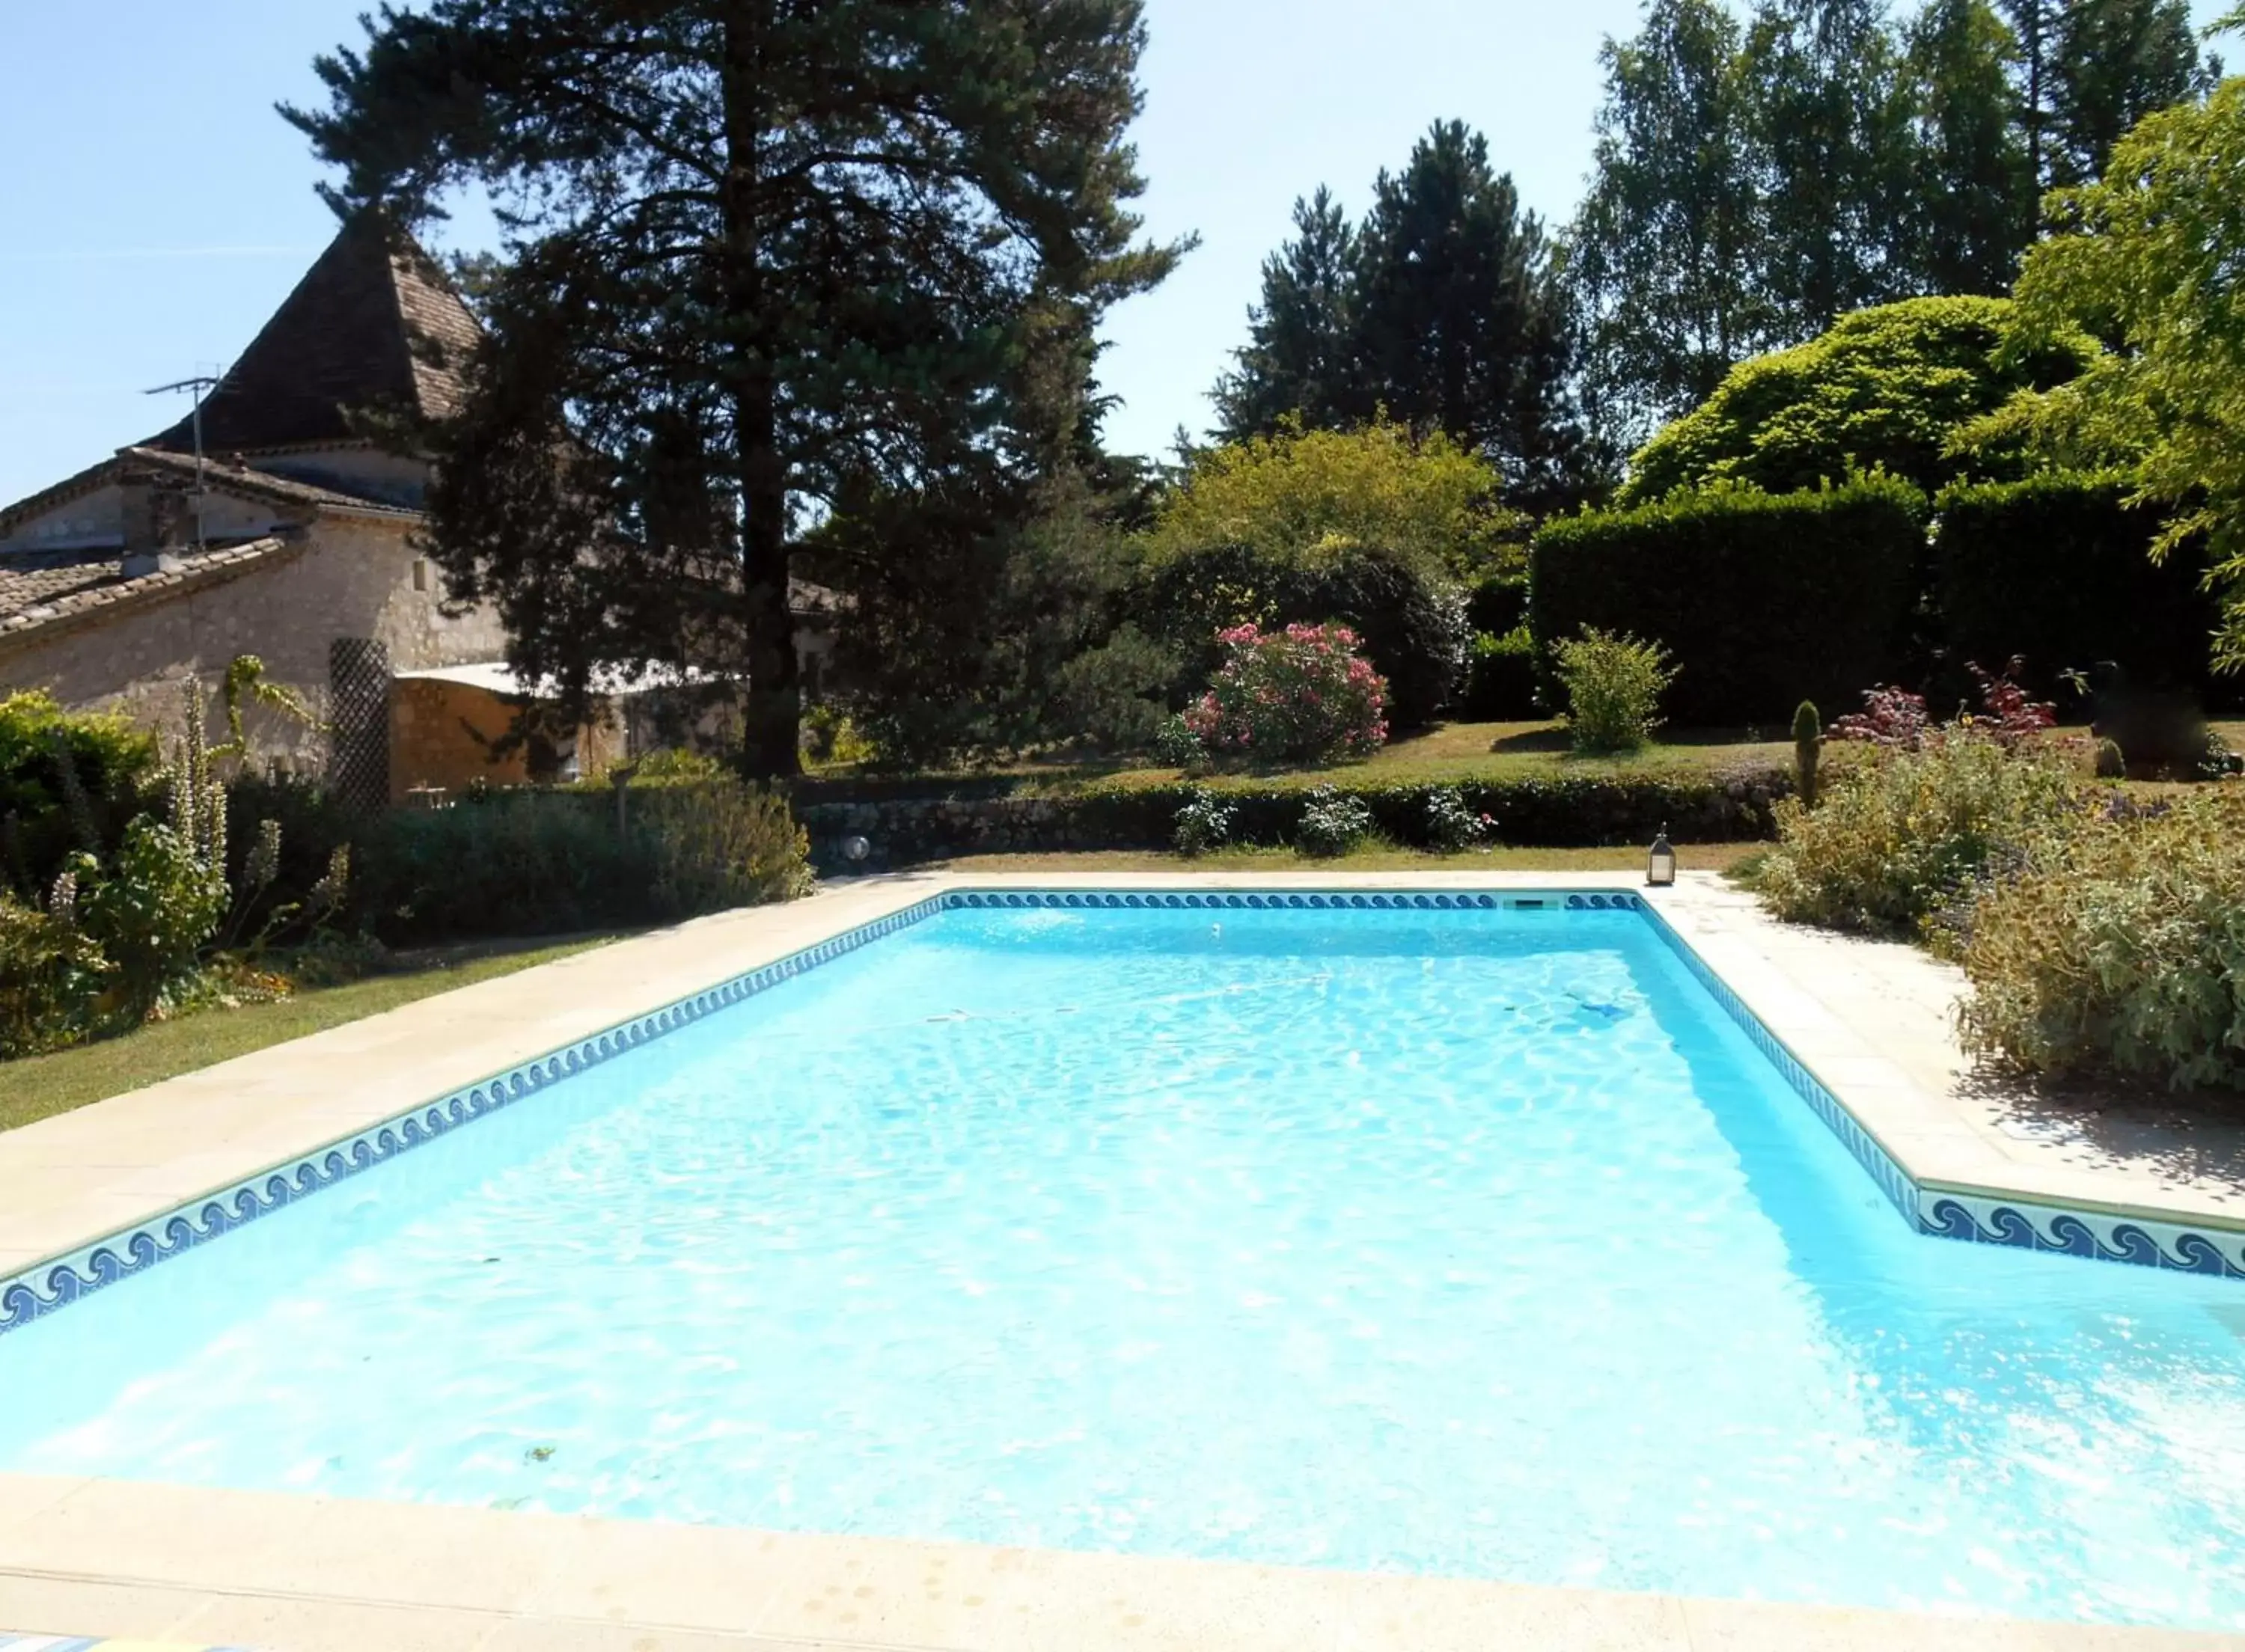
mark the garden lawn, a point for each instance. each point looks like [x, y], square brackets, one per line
[1447, 752]
[40, 1086]
[1378, 857]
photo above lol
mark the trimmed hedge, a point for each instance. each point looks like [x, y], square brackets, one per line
[2057, 568]
[1764, 600]
[1567, 812]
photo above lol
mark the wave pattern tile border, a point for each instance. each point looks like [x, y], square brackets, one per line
[58, 1284]
[1952, 1215]
[62, 1281]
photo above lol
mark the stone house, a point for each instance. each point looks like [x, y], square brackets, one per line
[291, 537]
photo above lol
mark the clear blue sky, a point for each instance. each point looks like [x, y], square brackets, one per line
[153, 209]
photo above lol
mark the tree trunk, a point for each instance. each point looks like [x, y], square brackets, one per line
[769, 745]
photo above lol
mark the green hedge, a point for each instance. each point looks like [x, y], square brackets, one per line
[1588, 811]
[2057, 569]
[1764, 600]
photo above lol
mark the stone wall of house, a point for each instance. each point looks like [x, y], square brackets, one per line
[355, 577]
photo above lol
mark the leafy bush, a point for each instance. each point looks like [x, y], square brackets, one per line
[69, 783]
[51, 975]
[1203, 821]
[2117, 949]
[1500, 679]
[1613, 686]
[723, 845]
[1886, 388]
[1435, 503]
[2057, 569]
[1302, 693]
[1177, 745]
[542, 863]
[1807, 751]
[1764, 600]
[1453, 825]
[151, 909]
[1895, 838]
[1409, 614]
[1570, 810]
[1333, 823]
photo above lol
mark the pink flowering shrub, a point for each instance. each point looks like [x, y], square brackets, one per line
[1301, 693]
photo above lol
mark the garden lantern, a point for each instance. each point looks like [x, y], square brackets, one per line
[855, 849]
[1660, 866]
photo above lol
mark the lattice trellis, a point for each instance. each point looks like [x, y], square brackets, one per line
[358, 706]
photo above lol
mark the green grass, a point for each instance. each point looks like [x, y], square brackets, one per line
[41, 1086]
[1449, 752]
[1378, 857]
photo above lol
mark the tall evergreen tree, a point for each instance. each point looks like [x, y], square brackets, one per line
[2116, 62]
[1661, 252]
[1298, 359]
[2035, 24]
[1458, 327]
[758, 251]
[1973, 190]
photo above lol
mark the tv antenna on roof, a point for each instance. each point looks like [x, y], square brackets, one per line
[199, 384]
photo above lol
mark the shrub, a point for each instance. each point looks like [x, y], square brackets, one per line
[1203, 821]
[1176, 745]
[151, 909]
[1763, 599]
[1302, 693]
[1435, 503]
[1885, 388]
[1453, 824]
[543, 862]
[1895, 839]
[69, 783]
[2118, 950]
[1808, 751]
[1891, 717]
[51, 974]
[723, 845]
[1408, 614]
[1333, 823]
[1570, 810]
[2110, 765]
[1613, 686]
[2057, 569]
[1500, 678]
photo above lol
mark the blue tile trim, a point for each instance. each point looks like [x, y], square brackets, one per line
[62, 1281]
[1952, 1215]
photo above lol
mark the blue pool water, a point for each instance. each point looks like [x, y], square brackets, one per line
[1478, 1243]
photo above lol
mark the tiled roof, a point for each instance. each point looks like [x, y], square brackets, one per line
[221, 476]
[226, 476]
[373, 324]
[40, 590]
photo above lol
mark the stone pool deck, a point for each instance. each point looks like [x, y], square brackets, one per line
[307, 1574]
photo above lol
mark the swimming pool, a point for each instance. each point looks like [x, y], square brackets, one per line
[1472, 1242]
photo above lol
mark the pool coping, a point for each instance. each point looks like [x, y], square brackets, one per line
[319, 1575]
[1939, 1174]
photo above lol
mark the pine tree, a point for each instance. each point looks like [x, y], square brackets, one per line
[2034, 23]
[758, 251]
[1459, 327]
[1301, 336]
